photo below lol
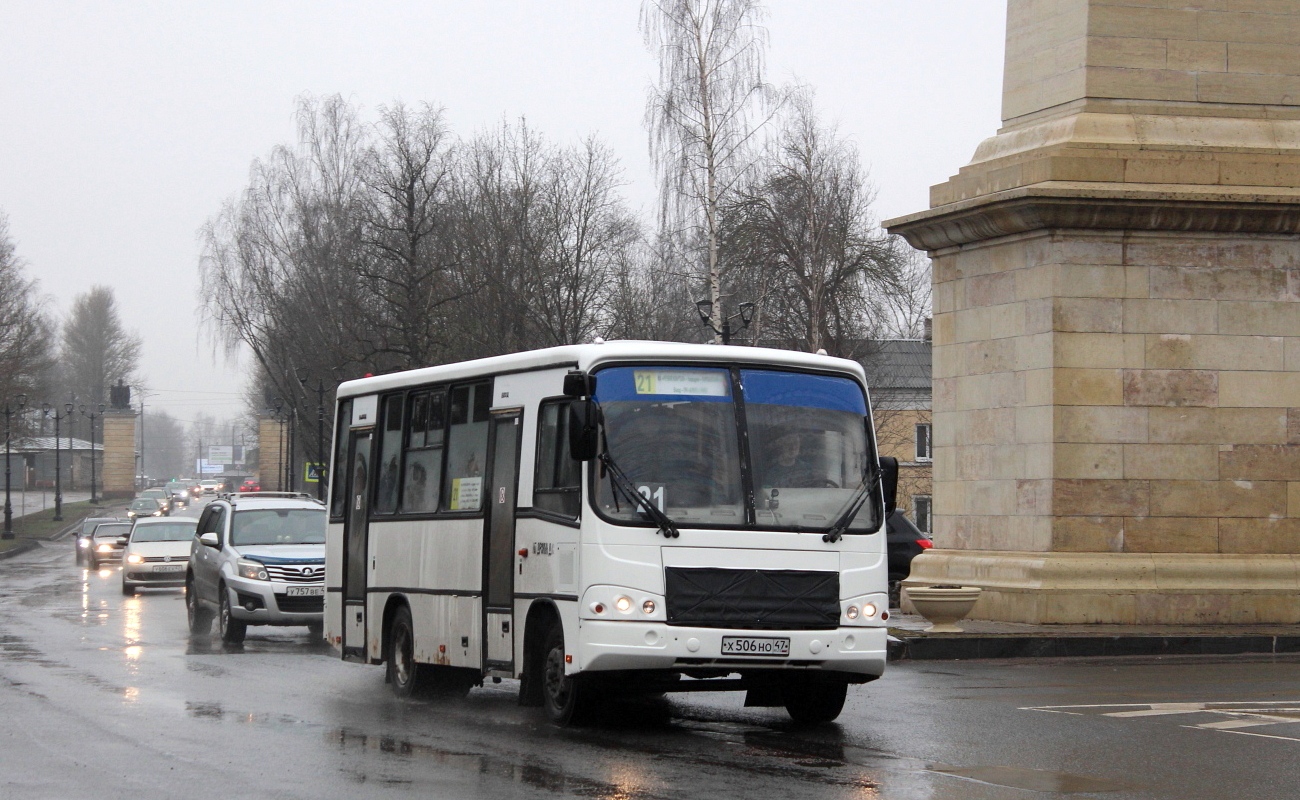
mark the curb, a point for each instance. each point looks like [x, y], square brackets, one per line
[989, 646]
[19, 549]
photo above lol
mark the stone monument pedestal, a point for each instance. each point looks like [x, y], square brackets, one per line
[118, 477]
[1117, 322]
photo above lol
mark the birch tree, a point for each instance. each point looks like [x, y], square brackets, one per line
[25, 327]
[710, 100]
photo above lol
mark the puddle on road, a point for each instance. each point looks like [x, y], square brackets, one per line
[632, 785]
[1033, 780]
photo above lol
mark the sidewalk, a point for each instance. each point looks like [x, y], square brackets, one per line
[34, 500]
[983, 639]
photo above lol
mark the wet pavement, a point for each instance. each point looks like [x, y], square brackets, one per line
[105, 696]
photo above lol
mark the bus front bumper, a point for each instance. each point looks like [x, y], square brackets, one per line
[608, 645]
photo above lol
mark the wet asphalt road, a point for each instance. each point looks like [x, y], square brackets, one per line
[105, 696]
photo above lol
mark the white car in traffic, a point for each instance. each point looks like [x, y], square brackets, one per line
[157, 553]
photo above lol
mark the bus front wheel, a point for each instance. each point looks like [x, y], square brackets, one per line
[811, 701]
[566, 698]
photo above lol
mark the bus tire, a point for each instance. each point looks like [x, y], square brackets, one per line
[811, 701]
[568, 700]
[407, 678]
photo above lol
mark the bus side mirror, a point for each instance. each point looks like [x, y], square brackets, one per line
[579, 384]
[889, 482]
[583, 430]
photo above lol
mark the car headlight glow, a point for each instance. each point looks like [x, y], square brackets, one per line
[253, 570]
[105, 548]
[83, 543]
[134, 558]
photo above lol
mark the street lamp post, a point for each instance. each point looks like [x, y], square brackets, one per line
[21, 401]
[92, 415]
[58, 467]
[745, 315]
[320, 432]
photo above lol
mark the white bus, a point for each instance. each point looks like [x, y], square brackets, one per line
[613, 518]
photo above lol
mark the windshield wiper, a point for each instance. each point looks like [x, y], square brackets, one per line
[855, 504]
[621, 483]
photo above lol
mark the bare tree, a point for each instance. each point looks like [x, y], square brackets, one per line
[98, 351]
[908, 305]
[701, 114]
[25, 327]
[804, 244]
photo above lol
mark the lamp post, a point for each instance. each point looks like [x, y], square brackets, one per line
[320, 432]
[745, 315]
[58, 467]
[20, 401]
[92, 415]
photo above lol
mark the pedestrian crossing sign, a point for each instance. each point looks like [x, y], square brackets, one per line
[314, 472]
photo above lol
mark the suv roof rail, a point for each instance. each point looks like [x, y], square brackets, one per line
[272, 495]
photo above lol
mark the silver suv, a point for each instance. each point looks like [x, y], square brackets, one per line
[257, 559]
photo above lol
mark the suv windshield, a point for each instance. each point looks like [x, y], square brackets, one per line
[676, 433]
[164, 532]
[278, 526]
[145, 504]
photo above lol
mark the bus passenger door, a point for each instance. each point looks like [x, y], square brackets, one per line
[499, 547]
[354, 547]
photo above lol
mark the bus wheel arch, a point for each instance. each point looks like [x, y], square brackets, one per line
[542, 615]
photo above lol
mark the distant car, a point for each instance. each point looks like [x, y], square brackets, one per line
[250, 485]
[905, 542]
[109, 538]
[210, 486]
[180, 495]
[84, 534]
[196, 491]
[163, 497]
[146, 507]
[257, 560]
[156, 553]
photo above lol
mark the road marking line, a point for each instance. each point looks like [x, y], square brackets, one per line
[1248, 733]
[1161, 709]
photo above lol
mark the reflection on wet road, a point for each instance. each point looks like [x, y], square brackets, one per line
[106, 695]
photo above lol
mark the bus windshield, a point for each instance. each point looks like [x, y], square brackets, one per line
[676, 433]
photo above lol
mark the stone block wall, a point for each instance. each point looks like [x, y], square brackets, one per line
[1112, 392]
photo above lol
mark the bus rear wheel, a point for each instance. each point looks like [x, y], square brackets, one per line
[811, 701]
[405, 676]
[568, 699]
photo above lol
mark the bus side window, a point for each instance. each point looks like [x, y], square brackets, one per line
[390, 446]
[422, 461]
[338, 486]
[557, 486]
[467, 438]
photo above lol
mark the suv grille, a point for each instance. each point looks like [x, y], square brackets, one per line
[754, 599]
[300, 605]
[309, 572]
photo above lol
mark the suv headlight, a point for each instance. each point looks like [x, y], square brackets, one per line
[253, 570]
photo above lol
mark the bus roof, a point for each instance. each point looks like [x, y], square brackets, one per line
[588, 356]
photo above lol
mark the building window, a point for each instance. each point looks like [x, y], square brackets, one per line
[921, 511]
[923, 452]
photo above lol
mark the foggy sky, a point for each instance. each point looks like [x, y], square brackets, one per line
[124, 126]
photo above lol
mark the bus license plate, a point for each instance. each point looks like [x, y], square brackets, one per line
[169, 568]
[755, 646]
[305, 591]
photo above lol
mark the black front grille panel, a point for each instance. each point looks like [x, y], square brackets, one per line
[752, 599]
[300, 605]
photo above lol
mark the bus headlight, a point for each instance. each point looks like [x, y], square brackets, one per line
[648, 608]
[864, 610]
[623, 603]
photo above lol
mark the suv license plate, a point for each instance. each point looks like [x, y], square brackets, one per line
[305, 591]
[755, 646]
